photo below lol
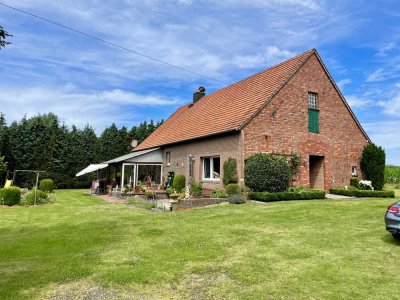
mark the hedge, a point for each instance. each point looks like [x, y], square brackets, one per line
[304, 195]
[362, 193]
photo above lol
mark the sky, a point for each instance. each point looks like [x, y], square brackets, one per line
[84, 81]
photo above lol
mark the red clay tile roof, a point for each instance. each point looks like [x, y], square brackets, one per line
[226, 109]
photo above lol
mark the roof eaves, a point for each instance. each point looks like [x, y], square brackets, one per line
[194, 138]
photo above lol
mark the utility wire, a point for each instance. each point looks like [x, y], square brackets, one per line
[109, 43]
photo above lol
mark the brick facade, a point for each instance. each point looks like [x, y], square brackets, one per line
[224, 146]
[282, 127]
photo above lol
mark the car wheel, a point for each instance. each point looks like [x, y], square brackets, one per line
[396, 235]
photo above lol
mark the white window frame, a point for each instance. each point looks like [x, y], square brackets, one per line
[211, 168]
[150, 164]
[168, 158]
[353, 170]
[123, 174]
[312, 100]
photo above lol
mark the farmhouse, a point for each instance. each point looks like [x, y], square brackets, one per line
[293, 107]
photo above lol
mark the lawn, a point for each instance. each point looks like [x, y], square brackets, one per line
[84, 248]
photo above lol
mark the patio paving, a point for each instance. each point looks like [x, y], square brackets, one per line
[110, 199]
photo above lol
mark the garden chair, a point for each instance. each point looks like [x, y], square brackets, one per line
[94, 189]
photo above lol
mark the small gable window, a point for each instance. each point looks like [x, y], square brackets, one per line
[313, 112]
[312, 100]
[354, 171]
[211, 168]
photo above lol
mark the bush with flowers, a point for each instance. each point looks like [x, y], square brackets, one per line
[365, 185]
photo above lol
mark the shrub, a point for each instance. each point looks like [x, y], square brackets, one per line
[150, 195]
[218, 193]
[41, 198]
[267, 173]
[11, 196]
[280, 196]
[169, 191]
[373, 165]
[230, 171]
[354, 182]
[196, 188]
[362, 193]
[179, 183]
[365, 185]
[46, 185]
[233, 189]
[236, 199]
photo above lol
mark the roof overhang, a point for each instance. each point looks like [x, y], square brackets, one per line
[197, 138]
[133, 155]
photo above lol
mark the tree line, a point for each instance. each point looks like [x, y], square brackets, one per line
[43, 143]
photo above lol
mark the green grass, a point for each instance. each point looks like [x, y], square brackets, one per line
[82, 246]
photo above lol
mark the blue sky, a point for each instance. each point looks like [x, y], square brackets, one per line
[50, 69]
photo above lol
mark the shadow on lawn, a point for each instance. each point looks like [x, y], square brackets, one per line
[389, 239]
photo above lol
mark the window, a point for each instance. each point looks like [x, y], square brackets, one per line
[354, 171]
[313, 112]
[312, 100]
[211, 168]
[168, 158]
[149, 174]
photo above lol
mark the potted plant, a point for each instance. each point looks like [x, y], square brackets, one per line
[174, 197]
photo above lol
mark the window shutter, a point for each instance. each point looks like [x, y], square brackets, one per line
[313, 120]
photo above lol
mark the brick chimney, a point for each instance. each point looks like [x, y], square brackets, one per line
[200, 93]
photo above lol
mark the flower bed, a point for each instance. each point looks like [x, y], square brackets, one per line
[362, 193]
[186, 204]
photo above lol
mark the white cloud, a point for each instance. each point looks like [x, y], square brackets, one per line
[392, 106]
[342, 83]
[271, 55]
[357, 102]
[378, 75]
[99, 109]
[307, 4]
[383, 51]
[384, 133]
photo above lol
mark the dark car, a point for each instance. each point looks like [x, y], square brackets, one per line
[392, 219]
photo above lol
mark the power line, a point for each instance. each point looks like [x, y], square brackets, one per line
[109, 43]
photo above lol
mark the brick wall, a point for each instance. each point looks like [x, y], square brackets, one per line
[282, 127]
[223, 146]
